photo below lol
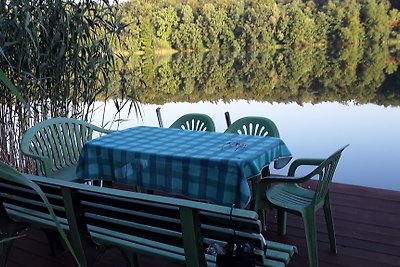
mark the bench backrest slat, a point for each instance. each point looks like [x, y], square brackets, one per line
[26, 199]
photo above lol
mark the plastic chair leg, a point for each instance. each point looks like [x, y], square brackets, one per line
[311, 238]
[329, 225]
[263, 215]
[282, 221]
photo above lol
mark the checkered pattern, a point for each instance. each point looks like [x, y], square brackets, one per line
[202, 165]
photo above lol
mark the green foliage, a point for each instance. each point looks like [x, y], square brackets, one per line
[293, 27]
[68, 50]
[11, 87]
[259, 25]
[300, 75]
[188, 35]
[164, 21]
[257, 20]
[147, 36]
[213, 23]
[58, 56]
[59, 49]
[375, 17]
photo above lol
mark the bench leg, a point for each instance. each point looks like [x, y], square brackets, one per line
[56, 246]
[131, 258]
[4, 250]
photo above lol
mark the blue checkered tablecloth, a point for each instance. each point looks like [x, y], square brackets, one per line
[203, 165]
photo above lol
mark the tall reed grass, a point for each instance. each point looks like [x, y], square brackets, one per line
[56, 58]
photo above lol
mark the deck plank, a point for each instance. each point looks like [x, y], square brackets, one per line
[367, 226]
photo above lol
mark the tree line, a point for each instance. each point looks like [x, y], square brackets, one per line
[256, 25]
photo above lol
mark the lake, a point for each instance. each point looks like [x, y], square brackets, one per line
[309, 130]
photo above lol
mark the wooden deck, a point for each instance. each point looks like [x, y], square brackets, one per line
[367, 225]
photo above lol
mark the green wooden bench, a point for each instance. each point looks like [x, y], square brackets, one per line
[179, 230]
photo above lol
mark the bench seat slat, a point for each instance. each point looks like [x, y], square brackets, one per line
[277, 255]
[211, 260]
[145, 246]
[291, 250]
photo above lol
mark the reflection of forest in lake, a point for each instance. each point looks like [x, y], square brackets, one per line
[302, 76]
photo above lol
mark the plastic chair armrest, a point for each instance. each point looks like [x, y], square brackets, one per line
[44, 160]
[279, 179]
[102, 130]
[303, 162]
[35, 156]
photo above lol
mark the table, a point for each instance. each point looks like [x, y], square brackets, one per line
[201, 165]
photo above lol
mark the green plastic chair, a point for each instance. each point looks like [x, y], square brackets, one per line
[15, 190]
[55, 145]
[195, 122]
[254, 126]
[289, 196]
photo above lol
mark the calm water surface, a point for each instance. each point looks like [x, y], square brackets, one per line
[310, 130]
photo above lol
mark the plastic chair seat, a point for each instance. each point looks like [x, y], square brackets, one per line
[67, 173]
[290, 196]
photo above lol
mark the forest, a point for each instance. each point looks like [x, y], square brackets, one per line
[77, 52]
[256, 25]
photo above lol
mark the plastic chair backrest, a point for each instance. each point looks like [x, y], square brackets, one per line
[325, 172]
[18, 184]
[59, 140]
[195, 122]
[254, 126]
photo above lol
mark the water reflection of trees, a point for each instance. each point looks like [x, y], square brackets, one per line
[363, 75]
